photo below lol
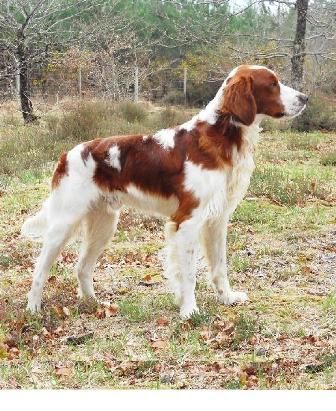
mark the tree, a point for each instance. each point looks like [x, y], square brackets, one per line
[29, 30]
[299, 44]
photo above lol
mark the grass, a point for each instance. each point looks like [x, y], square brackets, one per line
[329, 159]
[281, 250]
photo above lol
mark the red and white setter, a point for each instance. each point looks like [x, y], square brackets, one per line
[195, 174]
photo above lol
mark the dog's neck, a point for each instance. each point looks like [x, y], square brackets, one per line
[211, 115]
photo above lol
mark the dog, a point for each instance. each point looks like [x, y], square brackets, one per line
[195, 174]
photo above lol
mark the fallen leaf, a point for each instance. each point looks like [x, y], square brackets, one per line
[58, 331]
[46, 333]
[226, 327]
[215, 367]
[252, 381]
[100, 313]
[306, 269]
[52, 279]
[11, 341]
[147, 278]
[112, 310]
[61, 312]
[162, 321]
[107, 310]
[310, 339]
[13, 353]
[62, 371]
[253, 340]
[250, 370]
[159, 344]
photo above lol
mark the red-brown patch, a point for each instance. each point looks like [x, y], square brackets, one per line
[239, 100]
[60, 171]
[145, 164]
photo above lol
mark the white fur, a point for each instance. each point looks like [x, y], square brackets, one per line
[114, 158]
[209, 114]
[149, 203]
[165, 137]
[209, 187]
[35, 227]
[290, 100]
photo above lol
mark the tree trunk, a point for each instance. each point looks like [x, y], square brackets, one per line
[26, 104]
[299, 45]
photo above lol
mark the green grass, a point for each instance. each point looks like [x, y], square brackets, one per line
[329, 303]
[329, 159]
[292, 185]
[280, 248]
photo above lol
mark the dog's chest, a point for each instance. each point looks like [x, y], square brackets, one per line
[238, 179]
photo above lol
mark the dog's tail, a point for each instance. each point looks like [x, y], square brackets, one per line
[36, 226]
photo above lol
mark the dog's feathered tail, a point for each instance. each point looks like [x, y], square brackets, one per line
[36, 226]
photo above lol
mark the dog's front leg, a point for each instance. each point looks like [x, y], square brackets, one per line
[213, 238]
[185, 251]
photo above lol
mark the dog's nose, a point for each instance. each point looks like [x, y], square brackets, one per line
[303, 98]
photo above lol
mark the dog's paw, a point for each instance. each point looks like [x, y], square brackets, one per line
[187, 311]
[86, 294]
[33, 306]
[234, 297]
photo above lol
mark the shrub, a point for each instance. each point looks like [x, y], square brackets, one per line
[83, 121]
[38, 152]
[318, 115]
[132, 112]
[173, 97]
[170, 117]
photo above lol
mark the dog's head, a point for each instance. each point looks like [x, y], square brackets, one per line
[252, 90]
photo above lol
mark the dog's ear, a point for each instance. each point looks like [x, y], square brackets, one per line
[239, 100]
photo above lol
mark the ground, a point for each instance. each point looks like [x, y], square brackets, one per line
[282, 251]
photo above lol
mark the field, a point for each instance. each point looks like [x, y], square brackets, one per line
[282, 251]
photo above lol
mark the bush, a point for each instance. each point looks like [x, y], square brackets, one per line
[132, 112]
[318, 115]
[170, 117]
[83, 121]
[173, 97]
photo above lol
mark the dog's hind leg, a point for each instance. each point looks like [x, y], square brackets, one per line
[100, 225]
[55, 238]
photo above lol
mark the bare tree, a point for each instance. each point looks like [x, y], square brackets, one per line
[29, 29]
[299, 44]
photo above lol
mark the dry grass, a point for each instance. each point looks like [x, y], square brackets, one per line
[281, 250]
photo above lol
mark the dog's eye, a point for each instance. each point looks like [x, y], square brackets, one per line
[274, 84]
